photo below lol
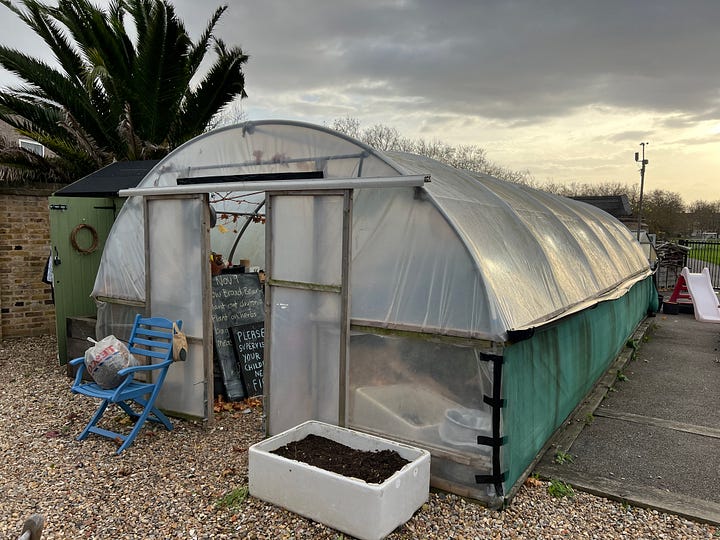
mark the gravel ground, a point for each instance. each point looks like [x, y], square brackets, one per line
[178, 484]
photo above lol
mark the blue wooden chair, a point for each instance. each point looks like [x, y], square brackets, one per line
[152, 338]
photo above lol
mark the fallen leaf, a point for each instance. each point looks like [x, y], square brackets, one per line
[533, 482]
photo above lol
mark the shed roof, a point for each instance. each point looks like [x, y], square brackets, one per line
[616, 205]
[106, 182]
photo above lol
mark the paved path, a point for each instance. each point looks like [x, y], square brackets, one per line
[654, 439]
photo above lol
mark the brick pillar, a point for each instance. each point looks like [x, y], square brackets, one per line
[26, 307]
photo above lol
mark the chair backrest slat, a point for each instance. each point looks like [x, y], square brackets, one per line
[152, 337]
[153, 333]
[151, 343]
[156, 322]
[147, 352]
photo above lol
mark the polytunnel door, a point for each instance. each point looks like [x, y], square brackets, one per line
[307, 307]
[177, 236]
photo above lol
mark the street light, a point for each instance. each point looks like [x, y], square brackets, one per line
[643, 162]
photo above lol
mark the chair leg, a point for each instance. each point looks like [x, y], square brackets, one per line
[155, 414]
[125, 407]
[94, 420]
[135, 430]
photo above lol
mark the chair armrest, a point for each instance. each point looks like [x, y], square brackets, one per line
[80, 362]
[129, 374]
[149, 367]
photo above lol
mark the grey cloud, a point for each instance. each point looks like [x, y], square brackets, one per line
[518, 62]
[506, 60]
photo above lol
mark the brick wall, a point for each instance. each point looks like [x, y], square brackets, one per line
[26, 307]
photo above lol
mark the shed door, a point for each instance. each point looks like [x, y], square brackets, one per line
[79, 227]
[307, 301]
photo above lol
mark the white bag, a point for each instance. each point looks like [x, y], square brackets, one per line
[105, 358]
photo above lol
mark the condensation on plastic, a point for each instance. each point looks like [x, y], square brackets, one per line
[409, 267]
[304, 370]
[307, 239]
[466, 254]
[175, 237]
[409, 389]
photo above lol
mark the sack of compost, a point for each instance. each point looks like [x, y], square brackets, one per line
[105, 358]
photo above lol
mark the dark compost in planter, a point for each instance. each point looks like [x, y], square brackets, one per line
[374, 467]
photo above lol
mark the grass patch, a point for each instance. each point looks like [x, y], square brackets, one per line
[708, 253]
[558, 488]
[563, 457]
[233, 498]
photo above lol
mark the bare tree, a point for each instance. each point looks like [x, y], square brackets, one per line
[664, 213]
[704, 216]
[582, 189]
[348, 125]
[468, 156]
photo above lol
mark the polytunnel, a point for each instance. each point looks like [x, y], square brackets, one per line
[403, 297]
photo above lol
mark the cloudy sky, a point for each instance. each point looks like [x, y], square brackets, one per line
[566, 89]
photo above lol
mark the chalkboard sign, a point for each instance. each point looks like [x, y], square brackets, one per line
[237, 300]
[249, 340]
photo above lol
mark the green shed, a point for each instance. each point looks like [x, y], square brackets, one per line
[81, 215]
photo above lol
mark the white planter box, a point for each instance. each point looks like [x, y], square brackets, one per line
[366, 511]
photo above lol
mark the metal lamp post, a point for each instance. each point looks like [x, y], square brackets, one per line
[643, 162]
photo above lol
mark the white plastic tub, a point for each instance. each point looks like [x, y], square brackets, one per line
[366, 511]
[406, 410]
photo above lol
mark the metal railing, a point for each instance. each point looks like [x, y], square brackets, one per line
[704, 254]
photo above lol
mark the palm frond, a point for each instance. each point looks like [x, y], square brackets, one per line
[222, 84]
[198, 51]
[47, 85]
[20, 166]
[112, 96]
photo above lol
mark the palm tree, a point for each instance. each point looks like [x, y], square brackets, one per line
[111, 97]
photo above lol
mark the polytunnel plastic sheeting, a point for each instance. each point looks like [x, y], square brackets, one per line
[466, 254]
[539, 256]
[252, 148]
[409, 268]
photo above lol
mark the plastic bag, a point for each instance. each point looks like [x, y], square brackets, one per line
[105, 358]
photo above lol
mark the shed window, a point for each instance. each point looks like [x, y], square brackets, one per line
[32, 146]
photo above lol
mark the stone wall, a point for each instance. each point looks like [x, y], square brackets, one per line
[26, 306]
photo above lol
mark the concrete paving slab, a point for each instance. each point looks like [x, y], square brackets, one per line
[654, 440]
[675, 375]
[649, 457]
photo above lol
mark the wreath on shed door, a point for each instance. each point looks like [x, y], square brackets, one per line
[73, 239]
